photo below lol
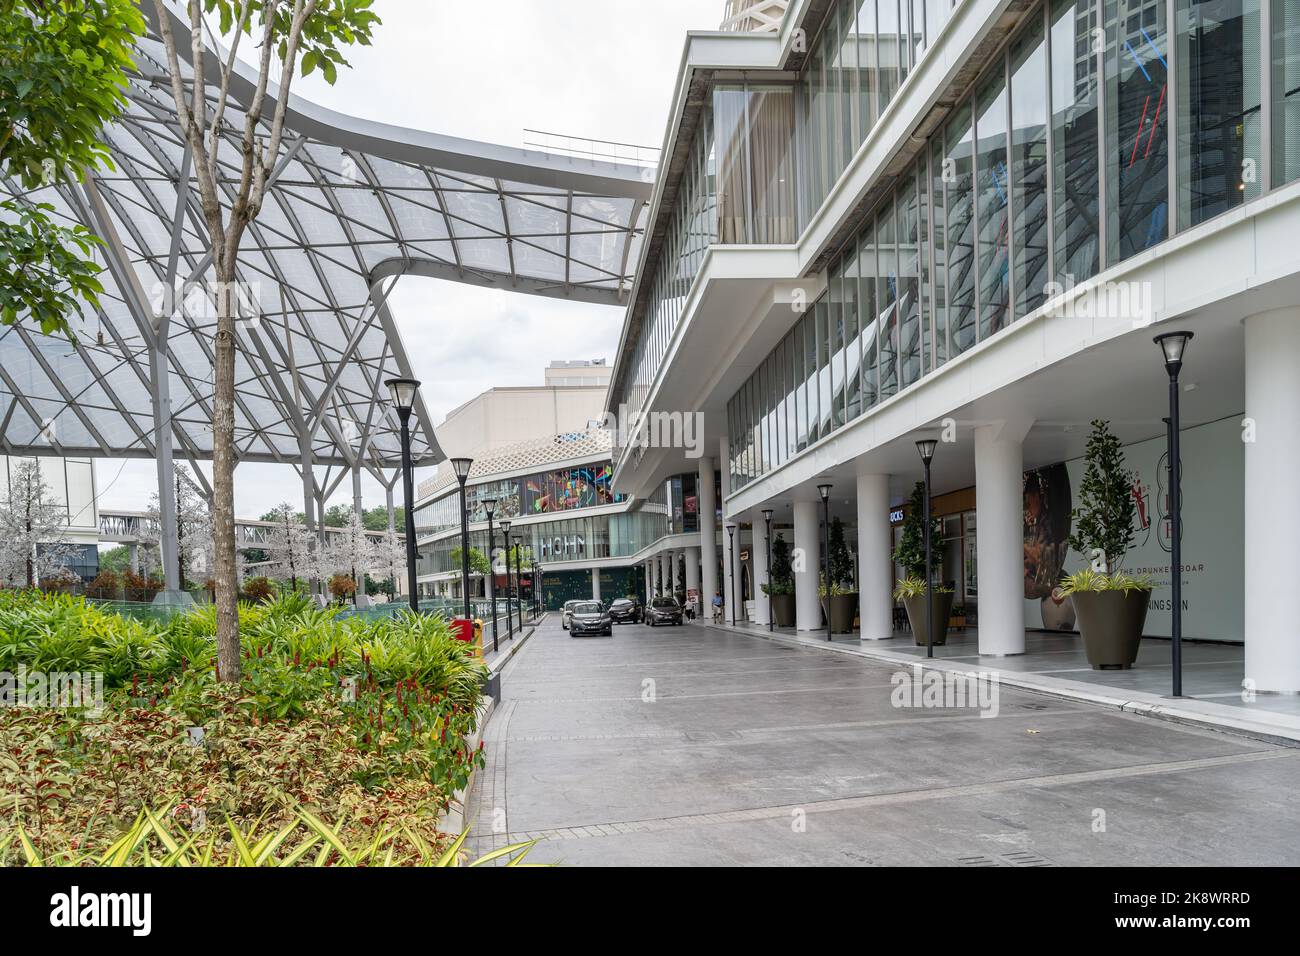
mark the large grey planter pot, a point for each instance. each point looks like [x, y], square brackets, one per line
[1111, 623]
[842, 609]
[783, 609]
[939, 620]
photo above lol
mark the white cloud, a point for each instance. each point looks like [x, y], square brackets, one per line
[593, 68]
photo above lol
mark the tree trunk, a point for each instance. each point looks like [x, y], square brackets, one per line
[223, 481]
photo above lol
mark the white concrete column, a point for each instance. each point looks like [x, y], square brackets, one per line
[759, 553]
[1272, 510]
[692, 556]
[649, 581]
[806, 558]
[595, 584]
[999, 535]
[730, 595]
[875, 564]
[663, 572]
[707, 503]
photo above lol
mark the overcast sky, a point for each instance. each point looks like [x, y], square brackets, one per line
[602, 69]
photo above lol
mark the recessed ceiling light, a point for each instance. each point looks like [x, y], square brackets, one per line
[1189, 387]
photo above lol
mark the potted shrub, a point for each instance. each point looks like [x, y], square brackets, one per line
[1111, 606]
[839, 596]
[910, 553]
[781, 585]
[911, 591]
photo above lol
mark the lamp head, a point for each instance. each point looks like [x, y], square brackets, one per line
[926, 447]
[505, 526]
[461, 467]
[1173, 344]
[402, 392]
[489, 506]
[767, 515]
[825, 492]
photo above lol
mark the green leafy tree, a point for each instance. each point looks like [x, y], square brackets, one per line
[910, 552]
[782, 577]
[287, 36]
[841, 562]
[63, 72]
[1103, 522]
[116, 559]
[478, 562]
[376, 519]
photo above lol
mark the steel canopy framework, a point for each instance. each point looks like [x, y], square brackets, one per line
[352, 206]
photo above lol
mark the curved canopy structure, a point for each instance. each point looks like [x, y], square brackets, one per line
[352, 206]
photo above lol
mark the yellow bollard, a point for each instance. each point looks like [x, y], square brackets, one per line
[478, 637]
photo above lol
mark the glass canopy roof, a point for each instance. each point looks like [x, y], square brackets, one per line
[353, 206]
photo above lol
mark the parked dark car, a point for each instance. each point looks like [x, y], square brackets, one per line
[625, 611]
[590, 617]
[663, 610]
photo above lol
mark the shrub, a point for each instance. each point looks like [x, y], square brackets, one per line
[342, 586]
[782, 577]
[259, 590]
[1104, 518]
[105, 587]
[910, 552]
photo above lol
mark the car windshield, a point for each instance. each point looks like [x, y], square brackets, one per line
[665, 602]
[592, 608]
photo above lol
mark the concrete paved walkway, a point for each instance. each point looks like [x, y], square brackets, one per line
[693, 745]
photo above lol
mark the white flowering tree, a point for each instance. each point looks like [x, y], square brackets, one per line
[193, 529]
[390, 556]
[33, 527]
[292, 549]
[350, 551]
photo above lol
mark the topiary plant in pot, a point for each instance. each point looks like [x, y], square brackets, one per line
[910, 553]
[781, 585]
[1111, 606]
[840, 597]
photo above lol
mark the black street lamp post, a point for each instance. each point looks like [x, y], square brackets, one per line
[510, 627]
[731, 551]
[825, 492]
[519, 585]
[490, 505]
[1173, 344]
[767, 520]
[402, 391]
[461, 467]
[926, 447]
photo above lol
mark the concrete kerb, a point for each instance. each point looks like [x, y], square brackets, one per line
[1279, 729]
[452, 820]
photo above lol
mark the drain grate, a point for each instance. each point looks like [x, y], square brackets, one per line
[976, 861]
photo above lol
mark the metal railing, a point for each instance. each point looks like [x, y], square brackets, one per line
[753, 16]
[595, 150]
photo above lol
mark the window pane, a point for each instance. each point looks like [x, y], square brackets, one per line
[887, 301]
[1029, 166]
[923, 257]
[1286, 91]
[938, 236]
[1137, 148]
[1077, 186]
[959, 177]
[887, 47]
[991, 162]
[868, 66]
[1218, 106]
[852, 336]
[825, 406]
[870, 318]
[836, 331]
[729, 133]
[810, 374]
[771, 159]
[909, 308]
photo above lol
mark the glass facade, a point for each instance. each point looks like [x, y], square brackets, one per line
[566, 489]
[1055, 165]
